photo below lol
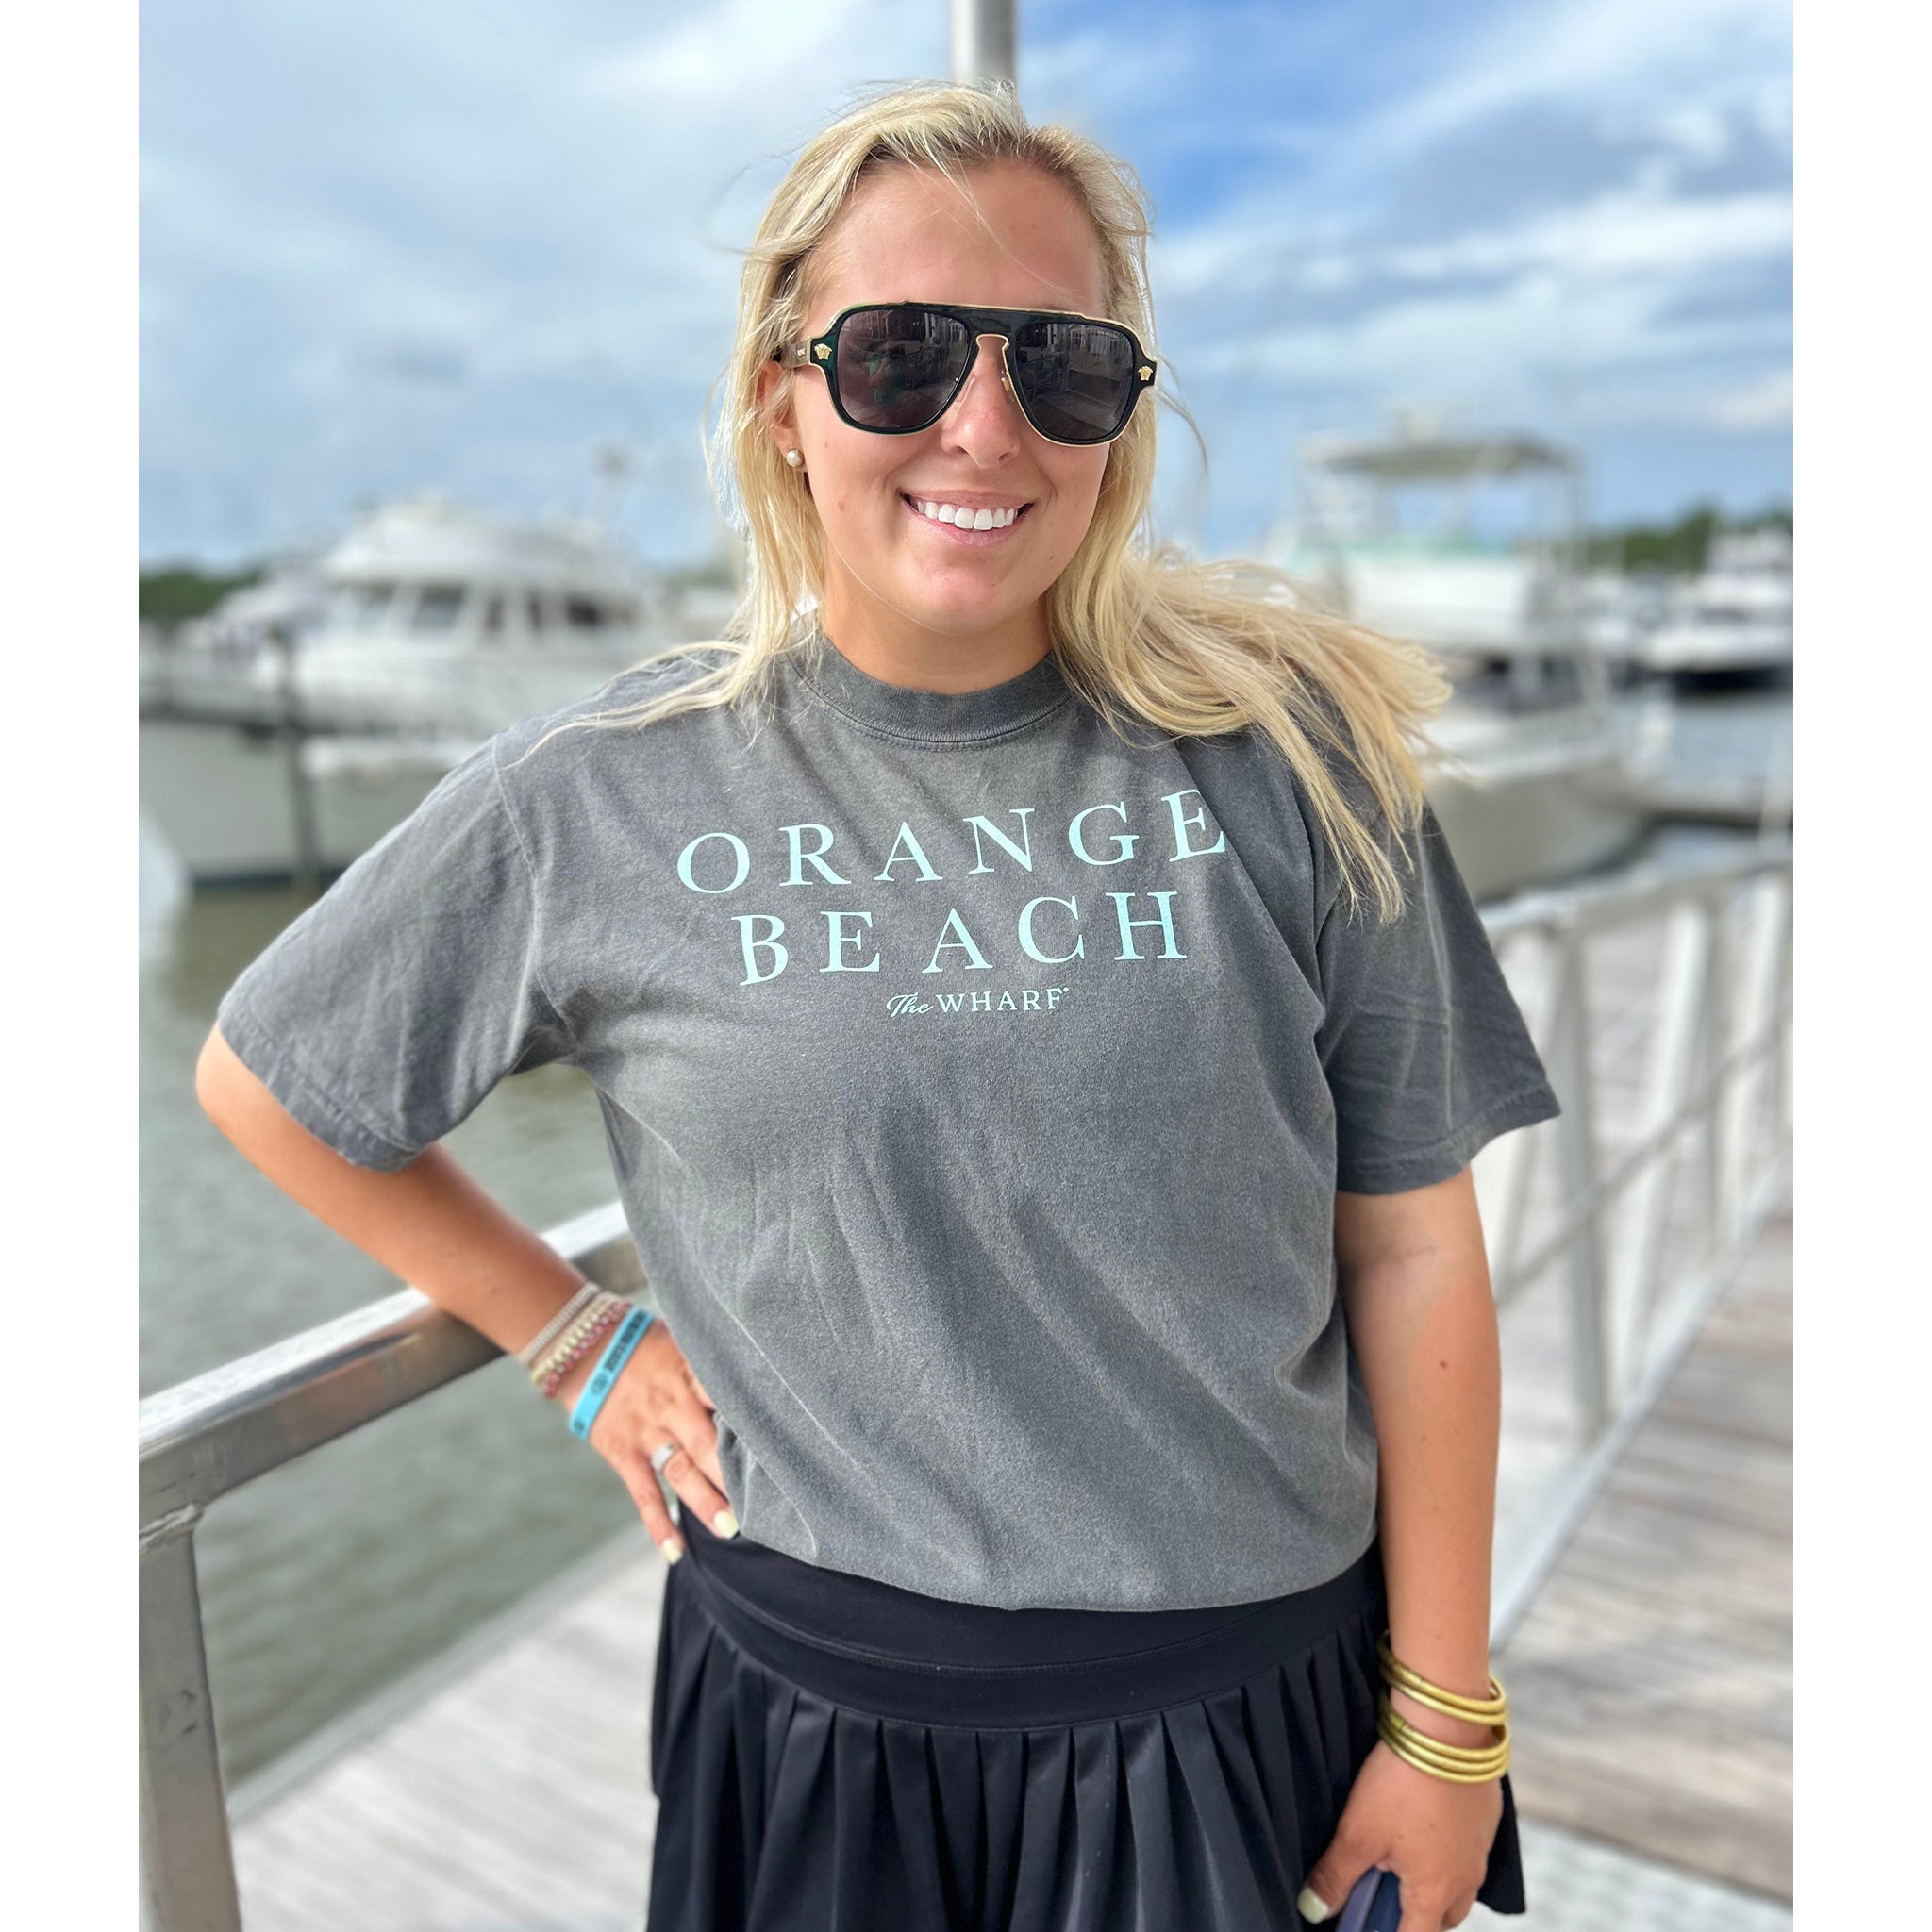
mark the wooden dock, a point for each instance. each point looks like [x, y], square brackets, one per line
[1651, 1675]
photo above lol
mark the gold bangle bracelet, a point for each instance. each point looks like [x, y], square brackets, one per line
[1455, 1774]
[1495, 1711]
[1488, 1762]
[1491, 1710]
[1385, 1707]
[1453, 1777]
[1460, 1763]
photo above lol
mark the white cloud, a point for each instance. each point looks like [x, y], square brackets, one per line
[1593, 49]
[553, 201]
[1762, 405]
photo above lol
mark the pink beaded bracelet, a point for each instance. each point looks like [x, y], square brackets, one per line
[607, 1320]
[553, 1350]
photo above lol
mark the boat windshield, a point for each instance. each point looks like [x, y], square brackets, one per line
[438, 607]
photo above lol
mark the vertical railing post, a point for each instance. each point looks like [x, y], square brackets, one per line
[1639, 1254]
[1574, 1081]
[1534, 957]
[1719, 1019]
[187, 1861]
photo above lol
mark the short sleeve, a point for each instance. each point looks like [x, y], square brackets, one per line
[1426, 1050]
[383, 1015]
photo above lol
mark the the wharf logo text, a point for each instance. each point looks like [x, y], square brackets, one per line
[1024, 999]
[1049, 929]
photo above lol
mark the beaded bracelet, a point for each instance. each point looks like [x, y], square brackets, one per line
[563, 1370]
[607, 1319]
[527, 1355]
[600, 1301]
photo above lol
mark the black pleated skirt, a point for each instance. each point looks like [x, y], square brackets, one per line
[833, 1754]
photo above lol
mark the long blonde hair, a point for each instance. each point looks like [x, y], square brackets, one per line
[1141, 631]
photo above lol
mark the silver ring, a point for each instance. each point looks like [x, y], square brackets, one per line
[662, 1453]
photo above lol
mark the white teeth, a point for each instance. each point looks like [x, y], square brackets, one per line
[966, 518]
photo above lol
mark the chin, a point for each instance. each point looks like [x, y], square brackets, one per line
[963, 615]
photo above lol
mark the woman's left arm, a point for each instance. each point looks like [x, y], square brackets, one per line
[1414, 1281]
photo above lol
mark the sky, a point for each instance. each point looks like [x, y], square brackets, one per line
[462, 247]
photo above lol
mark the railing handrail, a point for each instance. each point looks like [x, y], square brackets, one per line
[1650, 886]
[203, 1437]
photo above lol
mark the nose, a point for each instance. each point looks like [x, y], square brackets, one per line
[981, 418]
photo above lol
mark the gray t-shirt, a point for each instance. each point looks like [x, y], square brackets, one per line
[977, 1086]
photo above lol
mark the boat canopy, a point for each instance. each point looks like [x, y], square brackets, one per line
[1438, 458]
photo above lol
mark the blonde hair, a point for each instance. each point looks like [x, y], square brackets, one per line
[1143, 633]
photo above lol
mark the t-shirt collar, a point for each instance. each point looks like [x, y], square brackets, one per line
[931, 716]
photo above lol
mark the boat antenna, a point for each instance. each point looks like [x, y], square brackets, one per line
[613, 465]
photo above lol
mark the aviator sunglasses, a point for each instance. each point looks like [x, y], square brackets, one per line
[894, 368]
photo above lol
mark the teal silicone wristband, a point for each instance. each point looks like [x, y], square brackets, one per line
[604, 1376]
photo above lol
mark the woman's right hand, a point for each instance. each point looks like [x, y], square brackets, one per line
[657, 1399]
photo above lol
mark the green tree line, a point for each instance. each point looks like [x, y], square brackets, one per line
[178, 592]
[1679, 546]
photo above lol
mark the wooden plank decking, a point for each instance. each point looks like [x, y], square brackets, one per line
[1651, 1677]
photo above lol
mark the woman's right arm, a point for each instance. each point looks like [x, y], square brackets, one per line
[431, 1225]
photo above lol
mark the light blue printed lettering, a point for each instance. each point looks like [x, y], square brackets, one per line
[690, 852]
[1032, 951]
[979, 824]
[1124, 840]
[954, 922]
[1029, 999]
[917, 855]
[950, 1002]
[982, 1003]
[752, 944]
[1181, 822]
[837, 939]
[1165, 922]
[793, 833]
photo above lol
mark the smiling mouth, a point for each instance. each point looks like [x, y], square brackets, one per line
[964, 532]
[958, 520]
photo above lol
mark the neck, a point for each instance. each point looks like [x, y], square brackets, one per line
[887, 645]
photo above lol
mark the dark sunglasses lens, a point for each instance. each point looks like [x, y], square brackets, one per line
[898, 367]
[1078, 378]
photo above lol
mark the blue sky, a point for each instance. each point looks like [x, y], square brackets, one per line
[459, 247]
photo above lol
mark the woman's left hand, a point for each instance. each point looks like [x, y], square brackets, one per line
[1434, 1836]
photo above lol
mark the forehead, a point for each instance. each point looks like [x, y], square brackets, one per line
[1008, 237]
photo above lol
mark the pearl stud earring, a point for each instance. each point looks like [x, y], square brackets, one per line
[795, 457]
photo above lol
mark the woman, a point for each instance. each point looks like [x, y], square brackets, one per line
[1042, 1037]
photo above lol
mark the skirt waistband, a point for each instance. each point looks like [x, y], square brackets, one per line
[858, 1641]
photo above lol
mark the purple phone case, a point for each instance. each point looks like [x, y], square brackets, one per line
[1374, 1906]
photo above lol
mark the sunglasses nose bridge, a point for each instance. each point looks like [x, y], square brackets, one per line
[980, 339]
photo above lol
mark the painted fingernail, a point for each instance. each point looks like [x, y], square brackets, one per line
[724, 1523]
[672, 1549]
[1311, 1906]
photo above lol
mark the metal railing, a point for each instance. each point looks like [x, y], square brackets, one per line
[202, 1439]
[1712, 1114]
[1718, 1065]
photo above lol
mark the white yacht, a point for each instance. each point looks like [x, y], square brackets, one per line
[1734, 617]
[1542, 770]
[310, 713]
